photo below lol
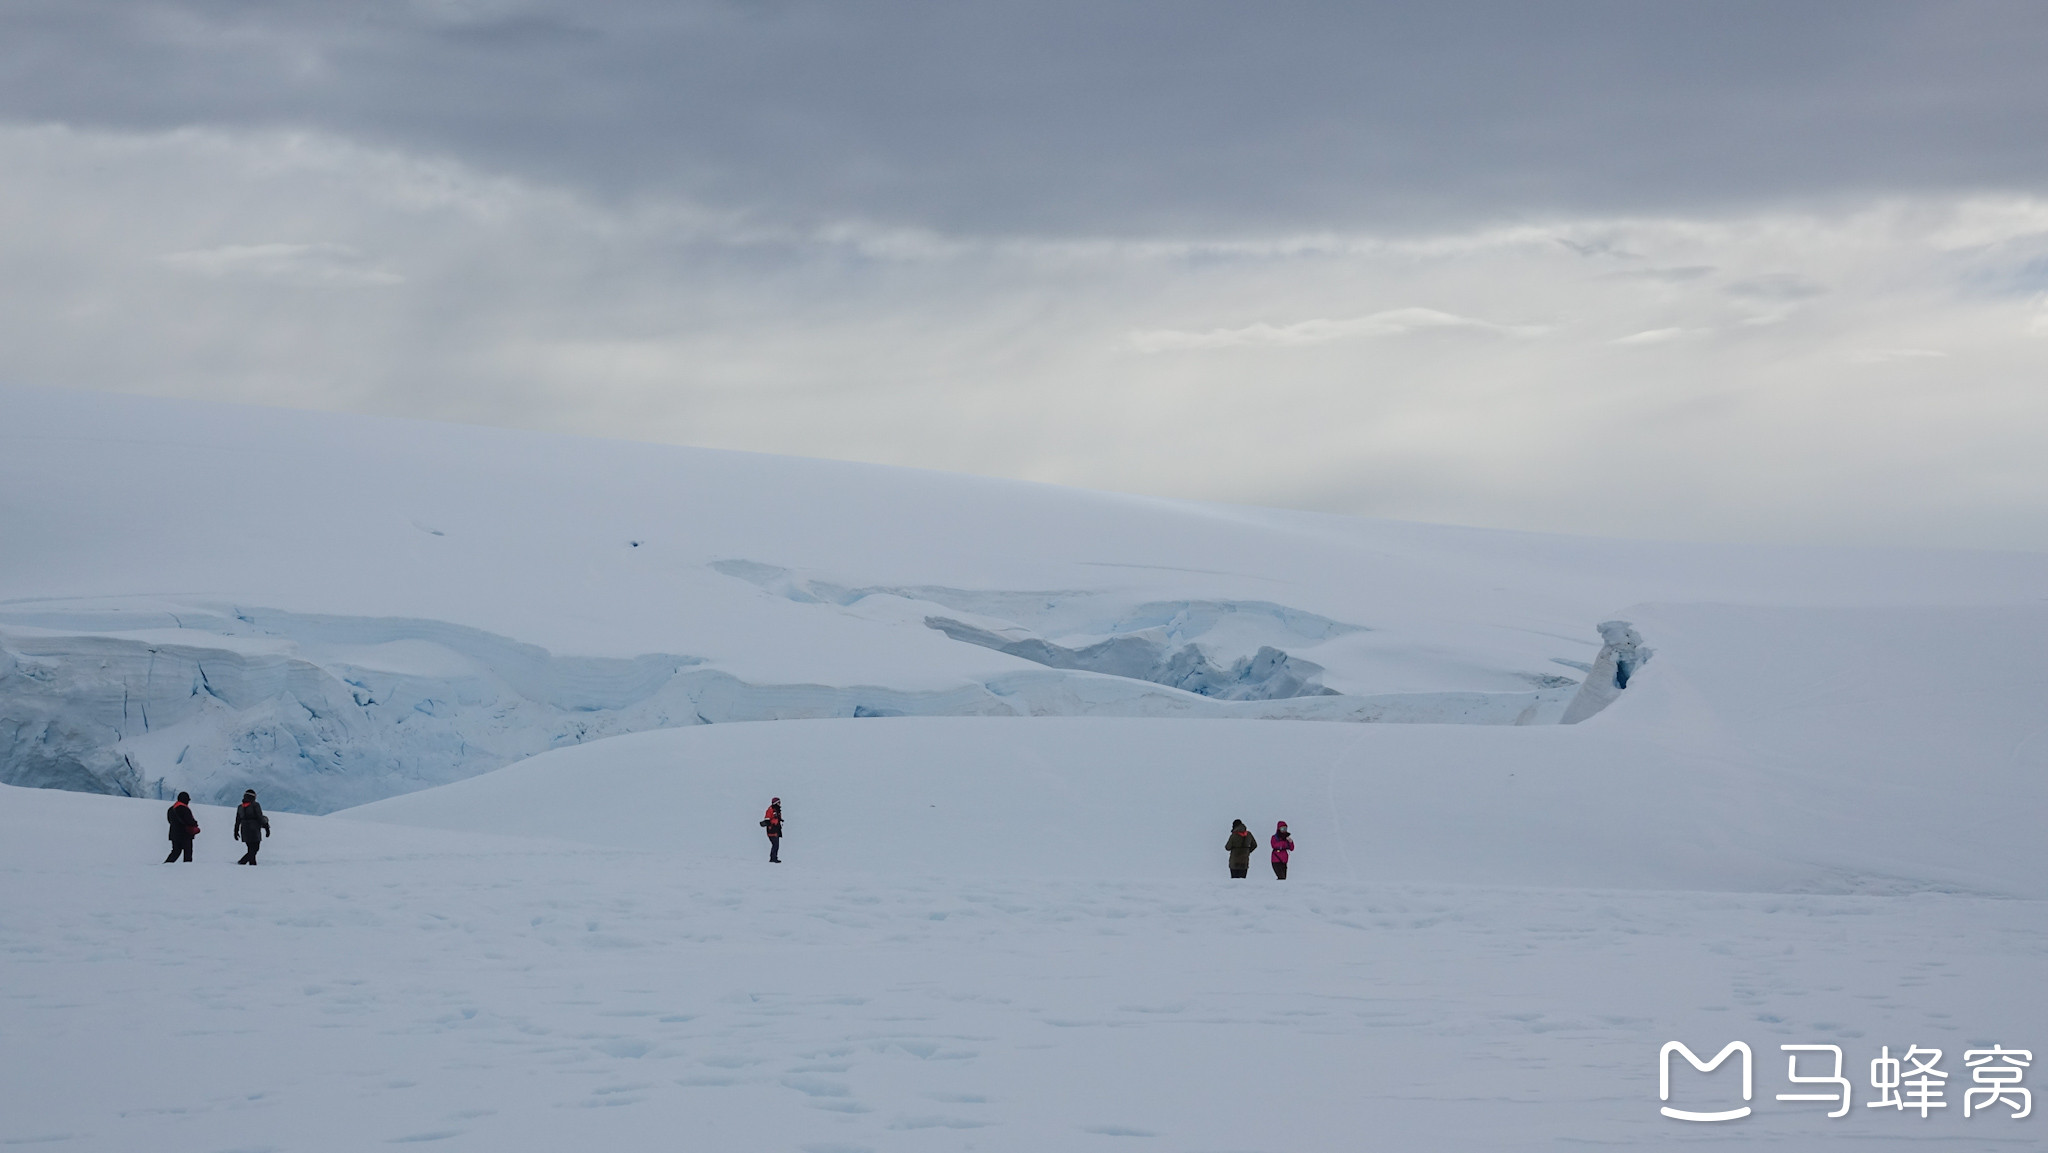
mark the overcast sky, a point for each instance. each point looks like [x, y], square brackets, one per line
[1697, 270]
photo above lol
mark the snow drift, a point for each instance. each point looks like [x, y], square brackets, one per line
[1863, 768]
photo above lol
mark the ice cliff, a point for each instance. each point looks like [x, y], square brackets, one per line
[320, 712]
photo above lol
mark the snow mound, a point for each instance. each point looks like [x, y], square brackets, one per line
[1622, 652]
[1865, 768]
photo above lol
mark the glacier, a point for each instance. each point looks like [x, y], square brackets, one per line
[322, 712]
[338, 609]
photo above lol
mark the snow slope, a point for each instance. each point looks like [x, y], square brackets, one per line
[1864, 767]
[338, 609]
[1015, 934]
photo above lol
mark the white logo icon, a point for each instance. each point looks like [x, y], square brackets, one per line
[1664, 1078]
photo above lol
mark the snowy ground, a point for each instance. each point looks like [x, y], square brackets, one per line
[371, 984]
[1813, 818]
[1015, 934]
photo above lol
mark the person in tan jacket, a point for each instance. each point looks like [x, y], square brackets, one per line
[1241, 845]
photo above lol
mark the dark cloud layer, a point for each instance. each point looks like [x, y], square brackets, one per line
[1092, 117]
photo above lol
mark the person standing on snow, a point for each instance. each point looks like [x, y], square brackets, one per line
[251, 826]
[772, 821]
[1283, 844]
[184, 827]
[1240, 847]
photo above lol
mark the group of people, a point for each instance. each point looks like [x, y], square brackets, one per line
[1243, 843]
[251, 826]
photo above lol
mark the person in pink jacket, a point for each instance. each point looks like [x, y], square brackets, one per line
[1283, 844]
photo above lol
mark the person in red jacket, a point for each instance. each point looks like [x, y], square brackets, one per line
[772, 821]
[1283, 844]
[184, 827]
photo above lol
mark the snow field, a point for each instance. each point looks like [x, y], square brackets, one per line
[1009, 934]
[1845, 751]
[375, 984]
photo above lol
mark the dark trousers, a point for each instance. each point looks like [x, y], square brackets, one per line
[184, 846]
[254, 843]
[775, 849]
[1239, 870]
[1280, 870]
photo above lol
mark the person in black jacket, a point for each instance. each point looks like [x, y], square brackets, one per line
[251, 826]
[184, 827]
[772, 821]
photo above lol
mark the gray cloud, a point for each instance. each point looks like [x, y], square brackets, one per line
[1666, 275]
[1776, 286]
[1077, 117]
[1724, 270]
[1486, 375]
[305, 265]
[1392, 322]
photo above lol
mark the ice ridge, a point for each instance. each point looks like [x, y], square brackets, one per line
[1622, 652]
[323, 712]
[1266, 675]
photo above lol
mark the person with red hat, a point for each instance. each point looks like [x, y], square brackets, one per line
[1283, 844]
[772, 821]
